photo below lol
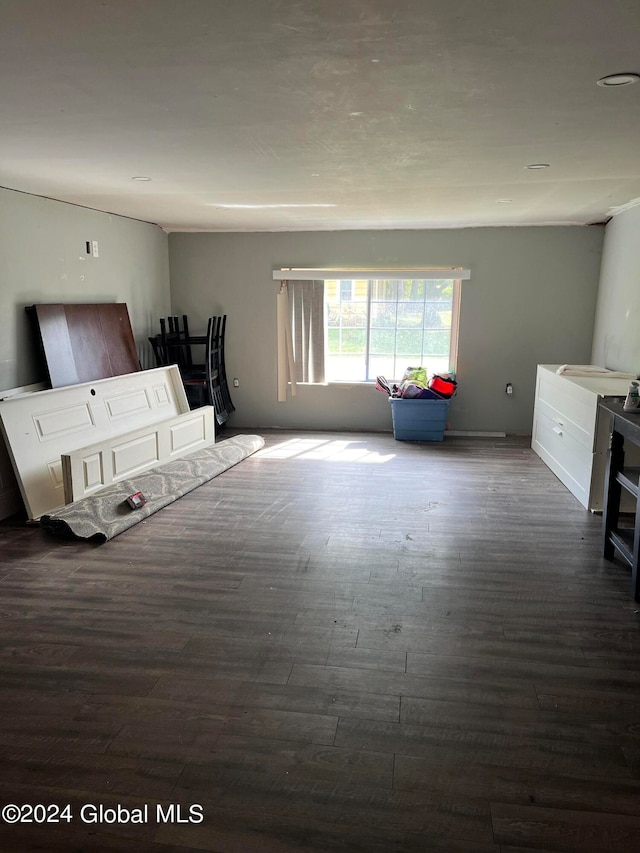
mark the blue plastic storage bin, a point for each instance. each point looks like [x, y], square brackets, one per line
[419, 420]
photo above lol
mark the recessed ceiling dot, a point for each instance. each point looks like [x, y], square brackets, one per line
[613, 80]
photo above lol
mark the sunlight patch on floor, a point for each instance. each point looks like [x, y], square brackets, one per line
[328, 450]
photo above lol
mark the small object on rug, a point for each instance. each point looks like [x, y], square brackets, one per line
[106, 513]
[137, 500]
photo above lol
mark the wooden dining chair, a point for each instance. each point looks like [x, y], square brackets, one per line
[224, 385]
[173, 346]
[213, 370]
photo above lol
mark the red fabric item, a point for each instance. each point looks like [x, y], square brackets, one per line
[443, 387]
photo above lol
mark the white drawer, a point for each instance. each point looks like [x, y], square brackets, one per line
[567, 425]
[569, 459]
[570, 403]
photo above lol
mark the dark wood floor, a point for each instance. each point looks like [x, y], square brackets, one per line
[345, 643]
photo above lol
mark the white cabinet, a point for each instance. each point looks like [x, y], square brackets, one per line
[570, 433]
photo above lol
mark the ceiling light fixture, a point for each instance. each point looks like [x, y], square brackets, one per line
[613, 80]
[265, 206]
[537, 166]
[504, 201]
[140, 178]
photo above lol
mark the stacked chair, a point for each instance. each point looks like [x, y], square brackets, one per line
[205, 381]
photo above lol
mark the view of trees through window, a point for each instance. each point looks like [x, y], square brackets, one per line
[382, 327]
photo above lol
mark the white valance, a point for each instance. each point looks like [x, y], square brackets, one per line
[292, 274]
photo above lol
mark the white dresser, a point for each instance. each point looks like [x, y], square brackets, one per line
[570, 433]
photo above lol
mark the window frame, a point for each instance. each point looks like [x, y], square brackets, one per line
[286, 354]
[454, 335]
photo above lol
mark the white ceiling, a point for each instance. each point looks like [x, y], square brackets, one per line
[397, 113]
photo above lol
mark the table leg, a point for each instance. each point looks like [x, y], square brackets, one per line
[611, 508]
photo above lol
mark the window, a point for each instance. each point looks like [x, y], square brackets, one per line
[333, 327]
[382, 326]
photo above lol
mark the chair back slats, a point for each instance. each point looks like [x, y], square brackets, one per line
[205, 384]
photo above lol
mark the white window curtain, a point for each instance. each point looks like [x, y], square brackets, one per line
[301, 334]
[306, 302]
[286, 369]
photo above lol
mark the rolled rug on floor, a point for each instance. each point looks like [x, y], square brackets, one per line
[106, 513]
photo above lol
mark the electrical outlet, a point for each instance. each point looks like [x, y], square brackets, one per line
[94, 246]
[508, 388]
[236, 383]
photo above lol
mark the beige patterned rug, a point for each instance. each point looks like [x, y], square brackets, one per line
[106, 513]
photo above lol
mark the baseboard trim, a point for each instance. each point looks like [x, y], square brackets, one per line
[471, 433]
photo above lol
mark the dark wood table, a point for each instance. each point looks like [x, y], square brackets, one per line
[617, 538]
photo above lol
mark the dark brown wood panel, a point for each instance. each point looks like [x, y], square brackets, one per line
[52, 331]
[85, 342]
[411, 647]
[117, 332]
[90, 347]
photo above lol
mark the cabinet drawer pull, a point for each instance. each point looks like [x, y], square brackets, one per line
[556, 430]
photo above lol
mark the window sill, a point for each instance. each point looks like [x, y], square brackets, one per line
[336, 383]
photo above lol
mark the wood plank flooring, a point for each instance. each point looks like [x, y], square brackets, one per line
[345, 643]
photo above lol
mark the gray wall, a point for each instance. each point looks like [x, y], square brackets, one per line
[42, 247]
[531, 299]
[616, 339]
